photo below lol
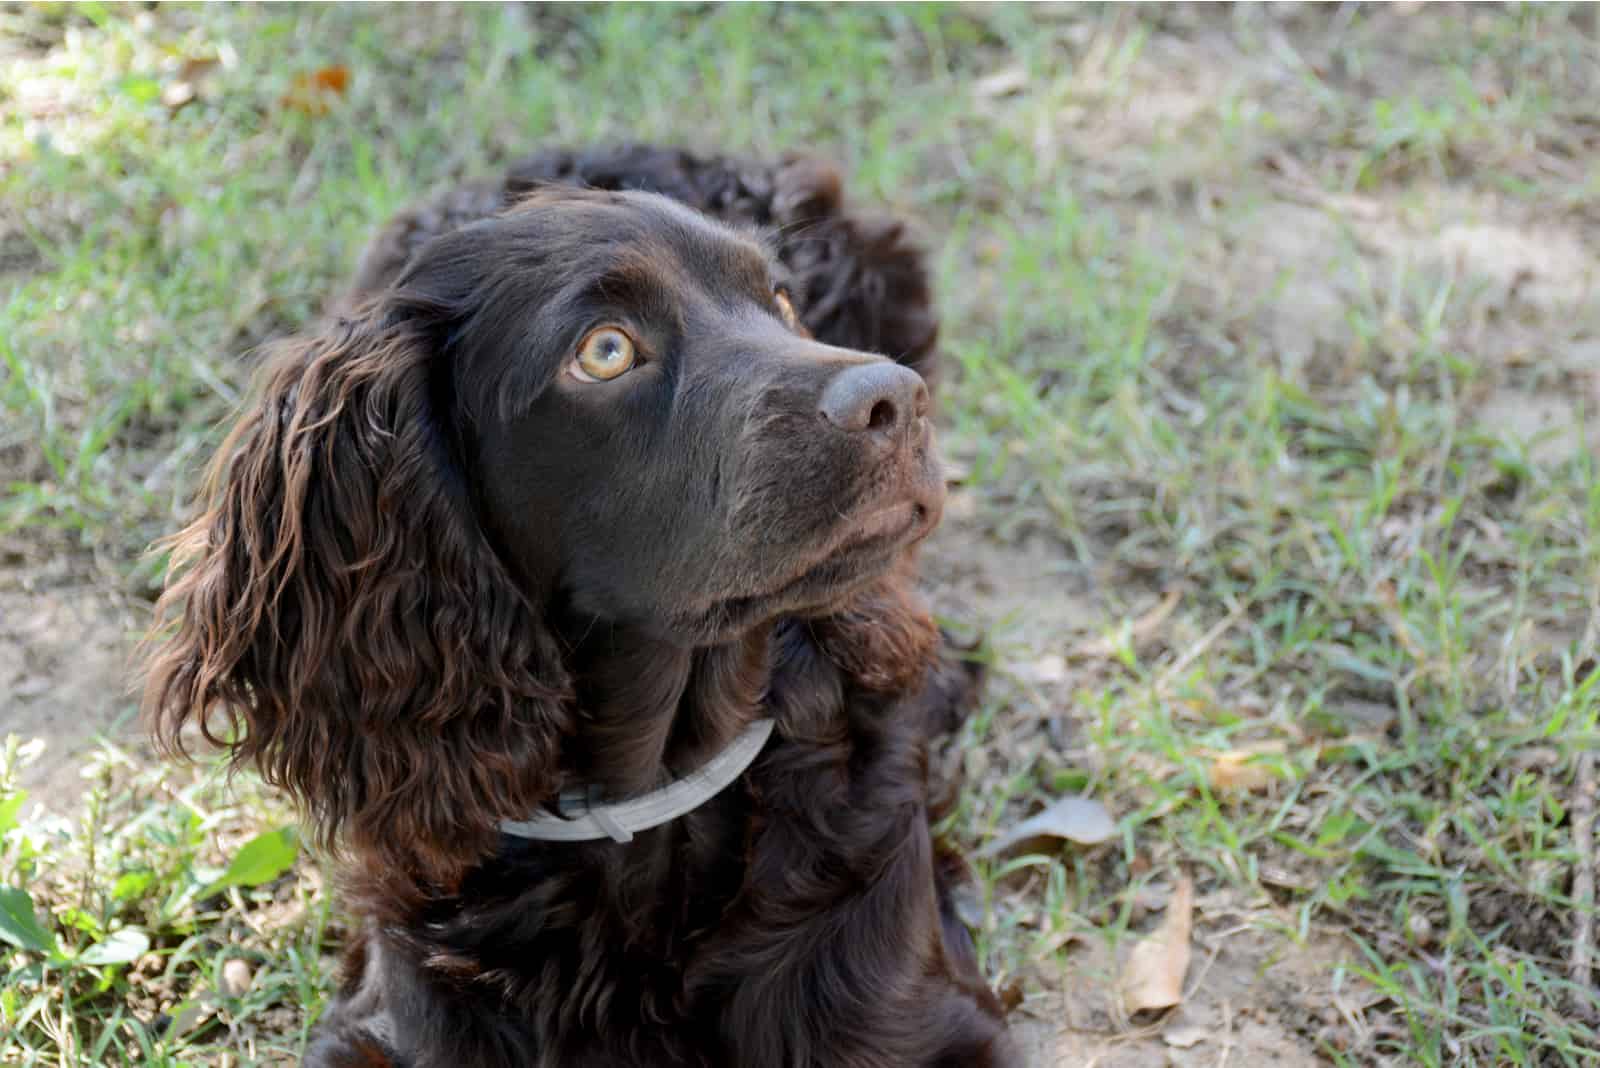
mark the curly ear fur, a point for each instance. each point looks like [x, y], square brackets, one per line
[336, 603]
[861, 276]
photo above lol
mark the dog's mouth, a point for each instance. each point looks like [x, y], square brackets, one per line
[846, 551]
[858, 552]
[862, 547]
[906, 521]
[888, 529]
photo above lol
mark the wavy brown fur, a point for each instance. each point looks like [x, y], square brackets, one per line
[334, 603]
[437, 578]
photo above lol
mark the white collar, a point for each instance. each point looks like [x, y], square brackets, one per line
[619, 820]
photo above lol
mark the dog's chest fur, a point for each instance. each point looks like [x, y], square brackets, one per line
[566, 947]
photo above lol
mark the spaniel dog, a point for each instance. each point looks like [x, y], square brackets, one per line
[564, 580]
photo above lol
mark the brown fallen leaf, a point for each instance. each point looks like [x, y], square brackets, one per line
[1153, 976]
[1077, 819]
[312, 90]
[177, 94]
[1001, 83]
[1395, 619]
[186, 87]
[1185, 1036]
[235, 979]
[1046, 669]
[1243, 770]
[1141, 629]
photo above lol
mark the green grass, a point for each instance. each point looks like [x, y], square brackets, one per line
[150, 891]
[1204, 335]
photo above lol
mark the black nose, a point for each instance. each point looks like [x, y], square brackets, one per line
[884, 397]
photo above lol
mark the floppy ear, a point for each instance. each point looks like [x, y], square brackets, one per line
[336, 607]
[863, 281]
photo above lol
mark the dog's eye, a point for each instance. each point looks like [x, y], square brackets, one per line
[786, 309]
[606, 352]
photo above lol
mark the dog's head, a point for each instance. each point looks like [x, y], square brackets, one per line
[649, 431]
[597, 404]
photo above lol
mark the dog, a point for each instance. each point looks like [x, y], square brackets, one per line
[565, 581]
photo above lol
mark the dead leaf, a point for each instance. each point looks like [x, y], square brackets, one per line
[1077, 819]
[1153, 976]
[1394, 618]
[332, 79]
[1232, 773]
[1363, 717]
[176, 94]
[1242, 770]
[1047, 669]
[1007, 82]
[312, 91]
[1140, 630]
[1185, 1036]
[185, 88]
[1275, 875]
[235, 979]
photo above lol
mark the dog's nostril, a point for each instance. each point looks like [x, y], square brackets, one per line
[879, 397]
[882, 416]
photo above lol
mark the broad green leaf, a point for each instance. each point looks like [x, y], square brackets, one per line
[9, 809]
[19, 924]
[260, 860]
[120, 947]
[133, 884]
[142, 90]
[77, 919]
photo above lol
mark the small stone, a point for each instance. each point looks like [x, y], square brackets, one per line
[235, 979]
[1185, 1036]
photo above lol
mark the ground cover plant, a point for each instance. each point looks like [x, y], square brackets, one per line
[1273, 369]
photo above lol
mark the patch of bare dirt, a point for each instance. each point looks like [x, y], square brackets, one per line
[1025, 592]
[1252, 996]
[1336, 286]
[65, 640]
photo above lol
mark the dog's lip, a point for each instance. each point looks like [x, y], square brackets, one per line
[910, 514]
[860, 551]
[863, 541]
[883, 531]
[886, 523]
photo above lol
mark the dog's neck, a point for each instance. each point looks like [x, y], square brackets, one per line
[651, 711]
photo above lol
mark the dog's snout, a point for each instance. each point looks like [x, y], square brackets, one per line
[882, 397]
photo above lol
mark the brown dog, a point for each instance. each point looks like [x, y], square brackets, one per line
[577, 512]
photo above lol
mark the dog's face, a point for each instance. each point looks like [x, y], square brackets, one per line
[653, 438]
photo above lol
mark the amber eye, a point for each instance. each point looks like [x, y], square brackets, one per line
[786, 309]
[606, 352]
